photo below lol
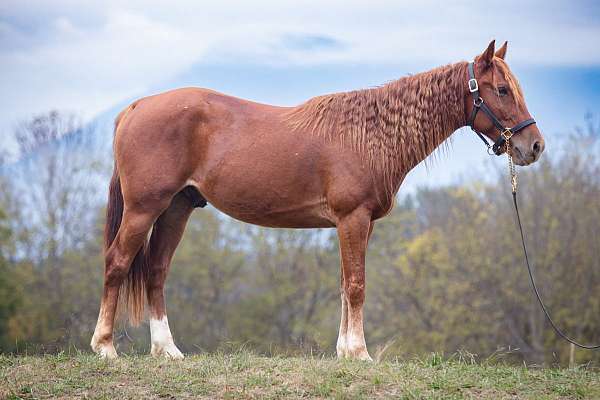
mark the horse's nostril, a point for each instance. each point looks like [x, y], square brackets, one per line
[537, 148]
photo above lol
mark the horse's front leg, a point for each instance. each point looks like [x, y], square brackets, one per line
[353, 232]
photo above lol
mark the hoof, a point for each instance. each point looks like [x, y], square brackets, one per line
[360, 353]
[341, 348]
[170, 352]
[364, 357]
[104, 350]
[108, 353]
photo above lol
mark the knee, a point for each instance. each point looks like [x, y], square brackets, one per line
[355, 292]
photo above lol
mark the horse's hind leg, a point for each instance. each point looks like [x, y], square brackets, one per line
[166, 235]
[119, 256]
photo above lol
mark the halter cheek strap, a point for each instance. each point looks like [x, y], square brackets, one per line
[479, 104]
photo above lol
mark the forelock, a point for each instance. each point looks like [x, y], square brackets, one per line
[511, 80]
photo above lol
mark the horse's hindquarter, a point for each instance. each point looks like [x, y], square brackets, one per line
[258, 170]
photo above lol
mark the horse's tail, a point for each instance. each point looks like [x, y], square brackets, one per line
[132, 291]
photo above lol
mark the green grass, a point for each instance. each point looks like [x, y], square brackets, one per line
[244, 375]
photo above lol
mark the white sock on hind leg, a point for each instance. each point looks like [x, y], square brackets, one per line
[162, 340]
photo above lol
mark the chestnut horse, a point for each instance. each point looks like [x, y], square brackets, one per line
[335, 161]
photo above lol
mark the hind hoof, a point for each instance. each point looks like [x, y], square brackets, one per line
[170, 352]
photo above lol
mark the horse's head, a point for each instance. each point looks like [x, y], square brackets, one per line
[500, 91]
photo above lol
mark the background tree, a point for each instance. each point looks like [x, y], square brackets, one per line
[53, 185]
[10, 299]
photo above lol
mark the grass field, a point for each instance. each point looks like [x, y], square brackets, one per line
[244, 375]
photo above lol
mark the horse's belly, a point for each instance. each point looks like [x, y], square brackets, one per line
[264, 214]
[279, 191]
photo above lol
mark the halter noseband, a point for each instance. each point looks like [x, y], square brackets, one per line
[479, 104]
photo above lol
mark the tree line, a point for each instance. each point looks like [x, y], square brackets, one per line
[445, 270]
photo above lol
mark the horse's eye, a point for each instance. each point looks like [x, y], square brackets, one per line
[502, 91]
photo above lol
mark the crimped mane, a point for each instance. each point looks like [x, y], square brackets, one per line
[393, 127]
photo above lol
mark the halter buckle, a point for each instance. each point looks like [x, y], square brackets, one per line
[473, 86]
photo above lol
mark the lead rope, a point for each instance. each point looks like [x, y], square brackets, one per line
[513, 182]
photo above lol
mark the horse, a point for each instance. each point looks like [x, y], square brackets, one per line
[335, 161]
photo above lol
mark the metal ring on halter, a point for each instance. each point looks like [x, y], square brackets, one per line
[507, 133]
[490, 150]
[478, 102]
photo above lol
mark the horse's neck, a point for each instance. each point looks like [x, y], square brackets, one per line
[395, 126]
[419, 113]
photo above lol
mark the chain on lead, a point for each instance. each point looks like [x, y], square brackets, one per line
[513, 174]
[507, 134]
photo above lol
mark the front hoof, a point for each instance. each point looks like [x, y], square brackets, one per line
[105, 350]
[341, 349]
[359, 354]
[108, 353]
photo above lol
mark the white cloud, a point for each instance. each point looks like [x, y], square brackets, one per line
[90, 69]
[64, 55]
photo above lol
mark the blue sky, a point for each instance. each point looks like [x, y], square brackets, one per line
[91, 57]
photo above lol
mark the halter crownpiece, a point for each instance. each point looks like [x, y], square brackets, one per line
[479, 104]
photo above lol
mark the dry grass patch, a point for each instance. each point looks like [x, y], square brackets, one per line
[243, 375]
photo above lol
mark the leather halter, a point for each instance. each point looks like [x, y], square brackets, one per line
[479, 104]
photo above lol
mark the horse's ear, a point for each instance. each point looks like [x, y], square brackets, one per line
[487, 56]
[501, 52]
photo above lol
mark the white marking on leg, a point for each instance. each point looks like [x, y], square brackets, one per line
[103, 349]
[162, 340]
[341, 347]
[356, 346]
